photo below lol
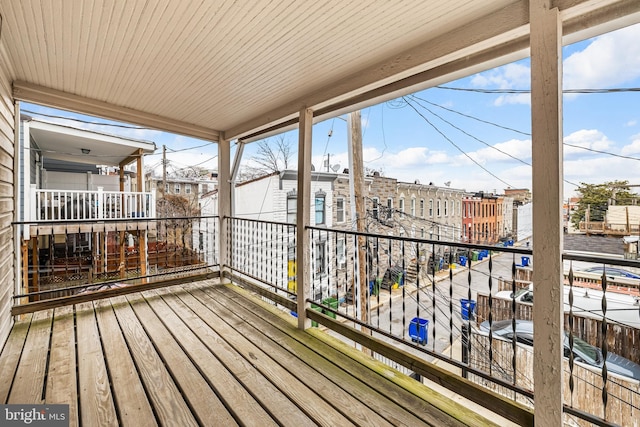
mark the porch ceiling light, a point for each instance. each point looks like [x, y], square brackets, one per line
[85, 150]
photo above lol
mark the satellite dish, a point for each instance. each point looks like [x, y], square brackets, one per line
[448, 183]
[335, 168]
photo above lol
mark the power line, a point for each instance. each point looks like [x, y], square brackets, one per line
[456, 146]
[520, 91]
[472, 117]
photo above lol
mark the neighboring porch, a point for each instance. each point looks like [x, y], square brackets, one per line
[206, 354]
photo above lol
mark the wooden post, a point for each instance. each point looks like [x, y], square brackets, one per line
[546, 119]
[25, 265]
[303, 213]
[224, 204]
[356, 170]
[35, 264]
[122, 260]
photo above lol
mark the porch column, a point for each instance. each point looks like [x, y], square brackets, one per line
[546, 141]
[303, 213]
[224, 203]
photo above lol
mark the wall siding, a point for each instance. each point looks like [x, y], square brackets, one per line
[7, 124]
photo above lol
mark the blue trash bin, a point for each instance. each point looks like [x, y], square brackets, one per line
[419, 330]
[468, 307]
[462, 261]
[441, 263]
[525, 261]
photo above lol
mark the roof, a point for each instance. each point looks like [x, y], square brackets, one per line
[67, 143]
[201, 68]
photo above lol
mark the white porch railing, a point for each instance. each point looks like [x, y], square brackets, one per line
[72, 205]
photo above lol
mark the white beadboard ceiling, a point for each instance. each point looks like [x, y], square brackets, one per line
[239, 66]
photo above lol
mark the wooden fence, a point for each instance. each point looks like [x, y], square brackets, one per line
[622, 340]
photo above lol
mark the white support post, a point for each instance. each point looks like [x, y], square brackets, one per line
[100, 205]
[303, 213]
[546, 123]
[224, 203]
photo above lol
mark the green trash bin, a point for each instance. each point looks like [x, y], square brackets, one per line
[316, 308]
[333, 304]
[474, 256]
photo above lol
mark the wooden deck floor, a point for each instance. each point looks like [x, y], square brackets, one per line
[204, 354]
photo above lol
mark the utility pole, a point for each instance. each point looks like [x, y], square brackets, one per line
[356, 172]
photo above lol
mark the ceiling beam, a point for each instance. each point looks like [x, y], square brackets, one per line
[29, 92]
[504, 33]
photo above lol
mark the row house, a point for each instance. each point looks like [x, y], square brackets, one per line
[487, 218]
[63, 181]
[273, 198]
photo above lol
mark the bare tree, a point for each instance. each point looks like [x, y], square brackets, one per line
[273, 155]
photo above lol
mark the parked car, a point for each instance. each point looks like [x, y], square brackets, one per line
[612, 272]
[583, 352]
[622, 309]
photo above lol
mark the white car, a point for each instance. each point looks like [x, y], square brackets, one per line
[621, 308]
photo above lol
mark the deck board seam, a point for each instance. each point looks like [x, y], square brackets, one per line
[188, 355]
[321, 348]
[394, 419]
[18, 359]
[258, 399]
[127, 302]
[269, 338]
[272, 377]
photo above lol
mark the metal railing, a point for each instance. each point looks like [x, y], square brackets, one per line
[423, 296]
[67, 258]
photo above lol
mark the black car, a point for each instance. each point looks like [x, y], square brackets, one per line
[583, 352]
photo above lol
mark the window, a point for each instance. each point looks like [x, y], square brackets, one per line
[446, 207]
[187, 189]
[340, 209]
[320, 207]
[176, 188]
[201, 241]
[401, 208]
[422, 232]
[458, 207]
[422, 208]
[166, 188]
[389, 207]
[438, 207]
[431, 207]
[375, 209]
[292, 198]
[341, 250]
[320, 258]
[413, 207]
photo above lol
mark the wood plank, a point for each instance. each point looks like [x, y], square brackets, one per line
[421, 401]
[130, 397]
[202, 400]
[92, 296]
[61, 376]
[10, 355]
[268, 396]
[345, 393]
[96, 402]
[29, 380]
[166, 398]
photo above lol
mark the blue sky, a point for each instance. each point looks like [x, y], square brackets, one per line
[401, 144]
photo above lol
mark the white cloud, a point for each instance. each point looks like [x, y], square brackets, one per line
[631, 123]
[520, 149]
[633, 148]
[587, 138]
[509, 76]
[611, 59]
